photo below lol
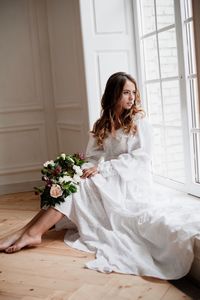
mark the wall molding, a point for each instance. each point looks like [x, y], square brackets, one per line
[24, 127]
[100, 56]
[70, 126]
[55, 89]
[111, 32]
[34, 40]
[26, 98]
[21, 168]
[70, 133]
[32, 163]
[69, 105]
[22, 108]
[18, 187]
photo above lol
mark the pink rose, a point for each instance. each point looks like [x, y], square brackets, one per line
[81, 155]
[57, 170]
[55, 191]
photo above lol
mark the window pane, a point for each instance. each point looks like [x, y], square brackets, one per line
[168, 159]
[165, 13]
[168, 53]
[191, 48]
[171, 103]
[159, 161]
[154, 103]
[194, 101]
[195, 127]
[174, 154]
[148, 16]
[196, 147]
[188, 9]
[151, 58]
[162, 85]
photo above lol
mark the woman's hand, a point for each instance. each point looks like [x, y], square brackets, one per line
[89, 172]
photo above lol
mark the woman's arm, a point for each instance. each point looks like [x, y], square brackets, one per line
[94, 155]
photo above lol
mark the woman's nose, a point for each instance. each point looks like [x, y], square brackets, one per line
[131, 96]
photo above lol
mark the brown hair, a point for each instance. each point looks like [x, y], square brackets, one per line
[112, 94]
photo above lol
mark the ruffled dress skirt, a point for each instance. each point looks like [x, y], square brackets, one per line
[131, 227]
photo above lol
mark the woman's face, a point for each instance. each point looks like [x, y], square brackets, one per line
[127, 97]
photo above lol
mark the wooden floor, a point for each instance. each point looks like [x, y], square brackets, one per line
[54, 271]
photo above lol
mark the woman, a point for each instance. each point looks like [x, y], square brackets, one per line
[117, 213]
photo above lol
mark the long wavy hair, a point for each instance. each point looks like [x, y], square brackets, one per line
[107, 122]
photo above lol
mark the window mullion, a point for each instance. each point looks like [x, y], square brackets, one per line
[181, 38]
[161, 93]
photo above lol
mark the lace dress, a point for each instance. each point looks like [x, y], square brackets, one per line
[119, 215]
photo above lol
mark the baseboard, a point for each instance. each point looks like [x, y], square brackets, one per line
[18, 187]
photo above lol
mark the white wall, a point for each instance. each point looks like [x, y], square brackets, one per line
[68, 74]
[23, 130]
[109, 46]
[43, 109]
[51, 85]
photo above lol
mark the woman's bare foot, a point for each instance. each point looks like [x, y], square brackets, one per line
[10, 239]
[24, 241]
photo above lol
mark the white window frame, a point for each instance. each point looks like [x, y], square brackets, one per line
[189, 186]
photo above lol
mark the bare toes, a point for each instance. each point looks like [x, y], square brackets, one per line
[12, 249]
[5, 245]
[9, 240]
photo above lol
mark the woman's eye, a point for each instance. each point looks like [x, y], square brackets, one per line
[127, 92]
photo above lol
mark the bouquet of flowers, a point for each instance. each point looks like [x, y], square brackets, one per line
[61, 178]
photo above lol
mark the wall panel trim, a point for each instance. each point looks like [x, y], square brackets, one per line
[20, 169]
[68, 106]
[21, 109]
[25, 127]
[18, 187]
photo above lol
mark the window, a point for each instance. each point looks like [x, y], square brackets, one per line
[192, 96]
[169, 82]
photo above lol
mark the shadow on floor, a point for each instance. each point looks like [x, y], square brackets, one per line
[189, 287]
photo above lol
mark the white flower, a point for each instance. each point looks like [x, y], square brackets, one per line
[78, 170]
[48, 162]
[65, 174]
[61, 180]
[66, 178]
[63, 156]
[70, 159]
[55, 191]
[76, 178]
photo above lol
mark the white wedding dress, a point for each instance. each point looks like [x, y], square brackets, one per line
[119, 215]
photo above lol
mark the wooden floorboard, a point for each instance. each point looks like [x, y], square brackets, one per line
[54, 271]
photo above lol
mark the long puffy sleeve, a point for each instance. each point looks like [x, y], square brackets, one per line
[94, 153]
[137, 159]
